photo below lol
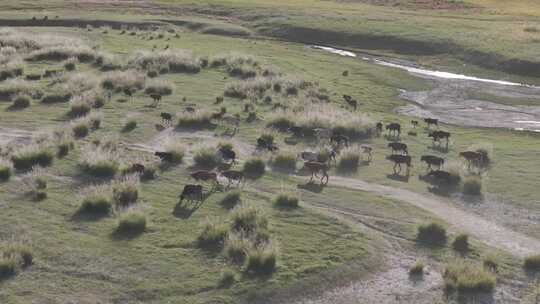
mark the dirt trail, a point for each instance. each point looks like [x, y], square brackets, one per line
[488, 232]
[17, 136]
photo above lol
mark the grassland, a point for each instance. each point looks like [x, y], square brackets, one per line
[80, 259]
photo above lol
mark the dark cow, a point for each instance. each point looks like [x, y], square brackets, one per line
[136, 168]
[316, 167]
[431, 121]
[156, 99]
[205, 176]
[339, 139]
[308, 156]
[189, 109]
[350, 101]
[399, 159]
[164, 156]
[263, 144]
[192, 193]
[440, 175]
[414, 123]
[227, 154]
[432, 160]
[233, 175]
[472, 157]
[398, 147]
[438, 135]
[296, 131]
[166, 118]
[367, 149]
[379, 128]
[128, 93]
[393, 128]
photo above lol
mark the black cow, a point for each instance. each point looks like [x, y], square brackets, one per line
[398, 147]
[192, 193]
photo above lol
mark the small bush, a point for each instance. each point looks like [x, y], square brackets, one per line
[177, 151]
[207, 158]
[130, 124]
[21, 102]
[14, 87]
[80, 128]
[285, 162]
[96, 203]
[472, 185]
[248, 219]
[461, 243]
[281, 123]
[63, 147]
[227, 278]
[237, 246]
[78, 108]
[33, 155]
[213, 233]
[6, 169]
[7, 267]
[417, 269]
[490, 263]
[119, 81]
[99, 162]
[262, 259]
[126, 192]
[285, 200]
[71, 64]
[532, 263]
[131, 222]
[160, 87]
[198, 120]
[432, 234]
[254, 168]
[56, 98]
[243, 71]
[94, 120]
[465, 277]
[349, 161]
[231, 199]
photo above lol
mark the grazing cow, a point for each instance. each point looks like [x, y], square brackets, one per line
[438, 135]
[339, 139]
[156, 99]
[164, 156]
[296, 131]
[321, 134]
[233, 175]
[189, 109]
[432, 160]
[379, 128]
[440, 175]
[205, 176]
[192, 193]
[136, 168]
[316, 167]
[472, 157]
[166, 118]
[227, 154]
[393, 128]
[128, 93]
[431, 121]
[367, 149]
[414, 123]
[350, 101]
[399, 159]
[264, 144]
[398, 147]
[308, 156]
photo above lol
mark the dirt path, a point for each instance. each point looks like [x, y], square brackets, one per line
[488, 232]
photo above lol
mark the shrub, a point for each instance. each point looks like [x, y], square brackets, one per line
[176, 61]
[21, 102]
[78, 107]
[262, 259]
[242, 71]
[126, 192]
[119, 81]
[285, 162]
[254, 168]
[15, 87]
[32, 155]
[432, 234]
[63, 147]
[80, 128]
[130, 124]
[281, 122]
[465, 277]
[198, 120]
[97, 202]
[20, 251]
[231, 199]
[99, 162]
[490, 263]
[417, 269]
[207, 158]
[255, 87]
[348, 161]
[94, 120]
[71, 64]
[152, 74]
[62, 52]
[56, 98]
[248, 219]
[286, 200]
[472, 185]
[131, 222]
[177, 151]
[6, 169]
[227, 278]
[7, 267]
[160, 87]
[461, 243]
[532, 262]
[213, 233]
[236, 247]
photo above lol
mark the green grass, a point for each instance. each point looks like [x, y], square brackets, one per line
[465, 277]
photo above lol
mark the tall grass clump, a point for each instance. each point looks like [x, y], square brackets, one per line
[197, 120]
[532, 262]
[461, 243]
[254, 168]
[466, 278]
[213, 233]
[129, 124]
[248, 218]
[126, 191]
[71, 64]
[82, 53]
[10, 67]
[432, 234]
[207, 158]
[417, 269]
[231, 199]
[472, 185]
[286, 201]
[236, 247]
[78, 107]
[14, 255]
[108, 62]
[99, 161]
[348, 160]
[118, 81]
[14, 87]
[21, 102]
[32, 155]
[262, 259]
[132, 221]
[6, 170]
[242, 71]
[174, 61]
[252, 87]
[35, 183]
[176, 149]
[97, 201]
[160, 87]
[80, 128]
[284, 162]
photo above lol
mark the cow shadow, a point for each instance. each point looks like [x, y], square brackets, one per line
[441, 149]
[398, 177]
[392, 137]
[186, 208]
[311, 187]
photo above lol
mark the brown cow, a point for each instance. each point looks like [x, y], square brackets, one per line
[472, 157]
[204, 176]
[316, 167]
